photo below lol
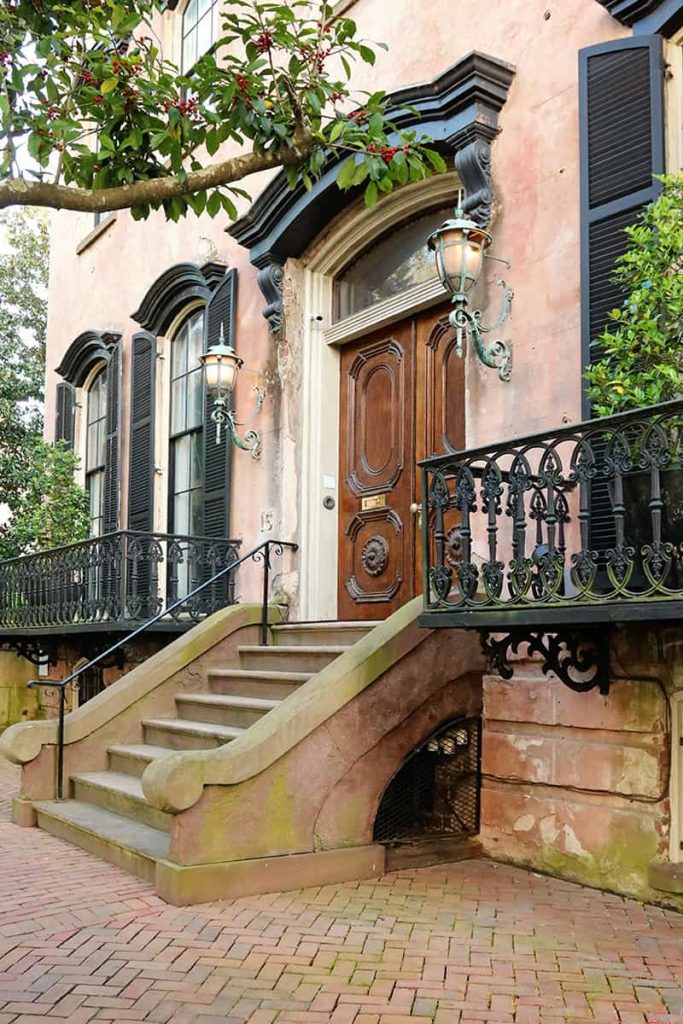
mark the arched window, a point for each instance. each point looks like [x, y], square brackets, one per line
[187, 422]
[390, 266]
[199, 31]
[95, 451]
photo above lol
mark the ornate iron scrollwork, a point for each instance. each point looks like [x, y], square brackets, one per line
[579, 659]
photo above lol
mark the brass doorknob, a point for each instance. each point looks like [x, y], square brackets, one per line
[417, 511]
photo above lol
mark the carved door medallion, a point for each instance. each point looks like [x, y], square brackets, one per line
[401, 399]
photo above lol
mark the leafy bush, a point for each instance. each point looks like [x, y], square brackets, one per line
[642, 347]
[51, 509]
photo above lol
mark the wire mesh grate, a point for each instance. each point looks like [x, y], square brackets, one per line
[436, 791]
[90, 684]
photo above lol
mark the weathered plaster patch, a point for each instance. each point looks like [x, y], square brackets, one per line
[525, 823]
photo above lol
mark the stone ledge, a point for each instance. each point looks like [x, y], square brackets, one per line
[666, 877]
[23, 813]
[203, 883]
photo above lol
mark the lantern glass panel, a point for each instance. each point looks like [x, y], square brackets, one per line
[221, 372]
[459, 260]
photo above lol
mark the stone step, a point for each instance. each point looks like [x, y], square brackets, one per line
[223, 709]
[248, 683]
[310, 634]
[181, 734]
[121, 794]
[300, 658]
[133, 758]
[127, 844]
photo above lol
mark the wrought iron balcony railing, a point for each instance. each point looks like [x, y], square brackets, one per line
[114, 582]
[575, 526]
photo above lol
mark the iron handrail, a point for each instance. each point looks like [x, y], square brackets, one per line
[262, 552]
[101, 538]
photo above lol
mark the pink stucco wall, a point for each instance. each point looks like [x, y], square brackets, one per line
[536, 226]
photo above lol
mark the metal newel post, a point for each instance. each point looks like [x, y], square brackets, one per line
[60, 743]
[264, 606]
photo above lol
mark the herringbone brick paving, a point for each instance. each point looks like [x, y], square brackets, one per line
[469, 943]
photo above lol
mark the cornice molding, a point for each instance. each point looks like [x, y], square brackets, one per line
[84, 353]
[175, 288]
[458, 109]
[661, 15]
[455, 108]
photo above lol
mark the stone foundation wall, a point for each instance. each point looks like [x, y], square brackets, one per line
[577, 784]
[17, 702]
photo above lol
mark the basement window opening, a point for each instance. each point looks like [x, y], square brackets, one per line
[90, 683]
[436, 792]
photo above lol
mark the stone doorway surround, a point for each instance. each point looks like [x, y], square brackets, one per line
[322, 345]
[459, 109]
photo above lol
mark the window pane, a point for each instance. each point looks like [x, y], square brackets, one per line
[92, 447]
[204, 35]
[191, 14]
[197, 459]
[204, 6]
[195, 399]
[196, 342]
[178, 397]
[94, 488]
[181, 467]
[390, 267]
[181, 513]
[102, 442]
[179, 352]
[196, 528]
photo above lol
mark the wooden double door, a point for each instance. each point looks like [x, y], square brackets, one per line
[402, 399]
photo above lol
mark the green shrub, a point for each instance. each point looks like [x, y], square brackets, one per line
[642, 347]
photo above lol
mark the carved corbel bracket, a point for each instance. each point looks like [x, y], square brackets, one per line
[270, 279]
[473, 164]
[579, 658]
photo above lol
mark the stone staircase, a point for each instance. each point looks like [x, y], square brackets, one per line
[107, 813]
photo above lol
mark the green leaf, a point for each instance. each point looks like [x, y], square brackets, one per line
[214, 204]
[371, 194]
[109, 86]
[346, 173]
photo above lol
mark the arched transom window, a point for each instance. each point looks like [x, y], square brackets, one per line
[390, 266]
[187, 422]
[199, 31]
[95, 452]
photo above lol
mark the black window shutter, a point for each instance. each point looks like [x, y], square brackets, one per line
[621, 101]
[142, 405]
[110, 510]
[66, 415]
[221, 311]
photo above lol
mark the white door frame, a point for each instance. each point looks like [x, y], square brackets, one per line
[322, 340]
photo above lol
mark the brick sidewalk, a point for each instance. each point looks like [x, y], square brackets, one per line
[82, 941]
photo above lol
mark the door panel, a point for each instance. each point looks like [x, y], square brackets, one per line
[402, 399]
[377, 474]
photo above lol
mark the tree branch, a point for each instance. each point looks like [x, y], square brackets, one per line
[19, 192]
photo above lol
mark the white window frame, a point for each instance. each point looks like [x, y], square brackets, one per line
[212, 14]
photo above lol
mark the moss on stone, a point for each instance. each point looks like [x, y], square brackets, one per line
[620, 865]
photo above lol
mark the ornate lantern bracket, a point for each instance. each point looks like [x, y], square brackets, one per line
[460, 247]
[223, 416]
